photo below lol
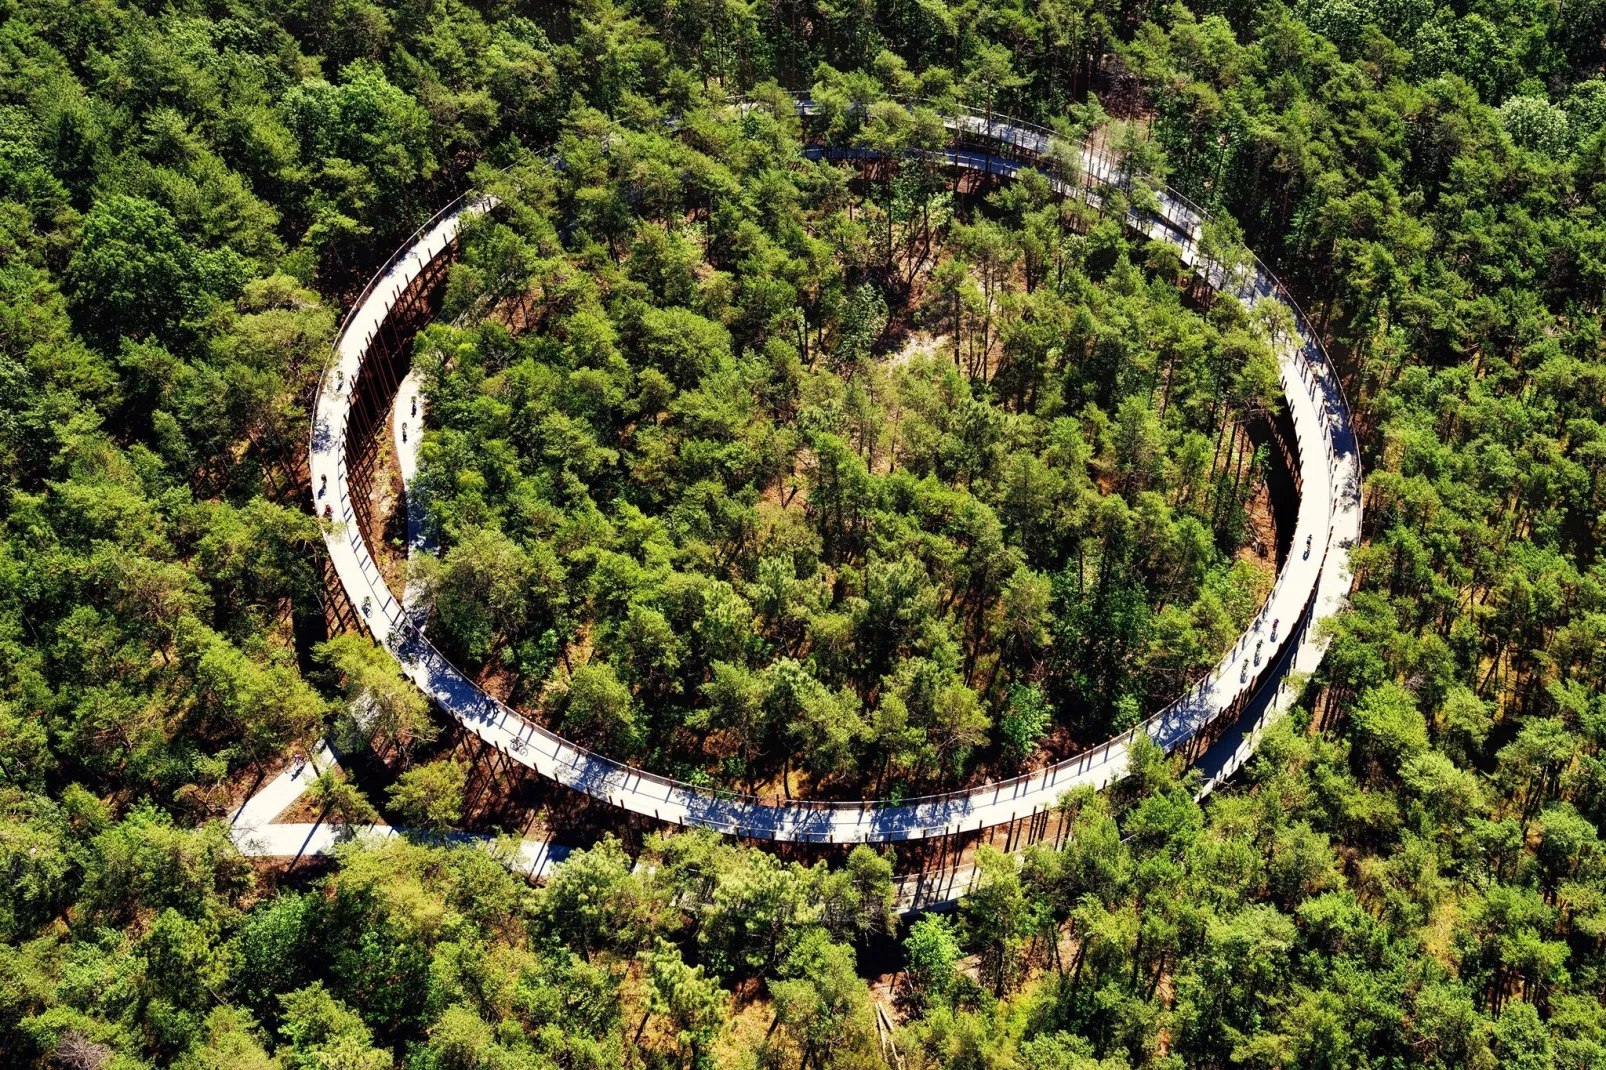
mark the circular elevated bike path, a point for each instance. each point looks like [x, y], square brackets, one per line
[1250, 690]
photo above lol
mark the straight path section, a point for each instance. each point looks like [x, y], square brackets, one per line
[254, 832]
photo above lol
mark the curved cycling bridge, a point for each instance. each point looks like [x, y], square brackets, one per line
[1216, 723]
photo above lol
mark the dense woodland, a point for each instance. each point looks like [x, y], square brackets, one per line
[1410, 873]
[706, 501]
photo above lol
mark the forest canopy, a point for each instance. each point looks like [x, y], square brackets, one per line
[643, 350]
[800, 461]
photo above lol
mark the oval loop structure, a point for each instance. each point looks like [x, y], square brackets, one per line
[1217, 722]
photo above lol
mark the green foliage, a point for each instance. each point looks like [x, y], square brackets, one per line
[136, 275]
[431, 796]
[933, 953]
[341, 800]
[995, 919]
[705, 506]
[598, 708]
[1389, 728]
[694, 1005]
[589, 897]
[145, 862]
[319, 1031]
[1025, 719]
[270, 952]
[823, 1005]
[382, 705]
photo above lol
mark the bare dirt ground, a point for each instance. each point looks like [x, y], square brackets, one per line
[388, 501]
[921, 343]
[1262, 544]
